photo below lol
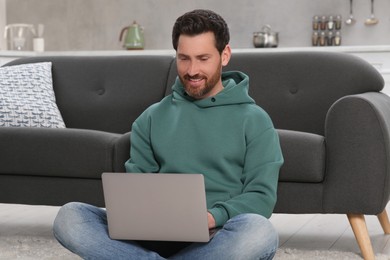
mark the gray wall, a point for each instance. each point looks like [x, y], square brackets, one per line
[3, 19]
[95, 24]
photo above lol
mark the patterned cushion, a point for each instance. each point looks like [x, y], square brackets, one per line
[27, 98]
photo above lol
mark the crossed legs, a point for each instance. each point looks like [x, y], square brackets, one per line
[82, 228]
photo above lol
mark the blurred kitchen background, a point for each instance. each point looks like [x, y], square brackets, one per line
[72, 25]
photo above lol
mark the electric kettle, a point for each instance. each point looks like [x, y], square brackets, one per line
[132, 37]
[19, 36]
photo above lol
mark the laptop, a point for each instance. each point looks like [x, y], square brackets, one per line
[160, 207]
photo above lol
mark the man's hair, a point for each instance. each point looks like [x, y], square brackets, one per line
[201, 21]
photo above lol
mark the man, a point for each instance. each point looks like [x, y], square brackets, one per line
[208, 125]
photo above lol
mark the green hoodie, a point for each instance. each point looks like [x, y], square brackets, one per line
[227, 138]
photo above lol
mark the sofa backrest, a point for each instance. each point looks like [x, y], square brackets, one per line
[106, 93]
[298, 88]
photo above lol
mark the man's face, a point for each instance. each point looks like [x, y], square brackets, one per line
[199, 64]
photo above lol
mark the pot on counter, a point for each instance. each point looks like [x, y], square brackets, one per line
[266, 38]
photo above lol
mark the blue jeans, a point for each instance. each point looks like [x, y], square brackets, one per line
[82, 228]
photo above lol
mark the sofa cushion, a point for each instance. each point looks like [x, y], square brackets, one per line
[67, 152]
[27, 97]
[304, 156]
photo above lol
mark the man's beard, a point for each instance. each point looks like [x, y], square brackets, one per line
[200, 92]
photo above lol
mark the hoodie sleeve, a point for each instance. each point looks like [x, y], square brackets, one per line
[141, 153]
[263, 160]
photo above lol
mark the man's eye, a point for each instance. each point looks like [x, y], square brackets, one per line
[204, 58]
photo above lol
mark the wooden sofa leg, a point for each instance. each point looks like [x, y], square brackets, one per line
[384, 220]
[359, 227]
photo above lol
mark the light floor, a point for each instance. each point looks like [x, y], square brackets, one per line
[302, 232]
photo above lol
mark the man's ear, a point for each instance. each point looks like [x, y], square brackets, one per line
[226, 54]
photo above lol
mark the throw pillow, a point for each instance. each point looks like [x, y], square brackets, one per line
[27, 97]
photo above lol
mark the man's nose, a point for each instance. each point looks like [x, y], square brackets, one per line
[193, 68]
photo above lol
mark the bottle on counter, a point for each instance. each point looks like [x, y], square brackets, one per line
[337, 39]
[323, 39]
[315, 38]
[330, 24]
[39, 44]
[316, 22]
[330, 38]
[323, 23]
[338, 22]
[39, 41]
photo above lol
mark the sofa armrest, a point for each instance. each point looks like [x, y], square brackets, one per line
[66, 152]
[299, 164]
[357, 134]
[122, 152]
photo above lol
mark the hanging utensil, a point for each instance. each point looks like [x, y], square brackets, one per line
[372, 20]
[350, 20]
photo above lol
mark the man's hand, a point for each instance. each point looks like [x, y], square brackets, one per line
[210, 220]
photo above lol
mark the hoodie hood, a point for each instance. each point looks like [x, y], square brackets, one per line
[236, 86]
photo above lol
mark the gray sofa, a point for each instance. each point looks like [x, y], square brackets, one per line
[333, 122]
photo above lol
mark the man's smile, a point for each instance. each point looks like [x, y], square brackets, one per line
[195, 81]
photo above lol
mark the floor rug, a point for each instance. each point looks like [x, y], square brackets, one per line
[294, 254]
[31, 248]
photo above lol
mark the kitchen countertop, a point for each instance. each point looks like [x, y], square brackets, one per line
[348, 49]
